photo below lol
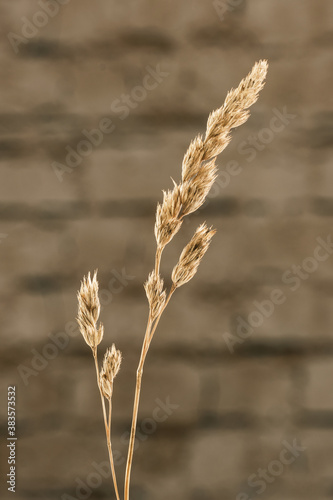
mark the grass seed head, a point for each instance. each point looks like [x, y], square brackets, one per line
[234, 111]
[89, 310]
[194, 191]
[167, 222]
[155, 294]
[192, 255]
[110, 369]
[192, 159]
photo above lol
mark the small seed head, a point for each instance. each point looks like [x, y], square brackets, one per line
[110, 369]
[89, 310]
[167, 222]
[155, 294]
[192, 255]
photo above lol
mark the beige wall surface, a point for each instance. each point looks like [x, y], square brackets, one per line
[237, 399]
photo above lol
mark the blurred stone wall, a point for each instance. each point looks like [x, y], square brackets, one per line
[237, 398]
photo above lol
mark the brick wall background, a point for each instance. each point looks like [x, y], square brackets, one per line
[66, 71]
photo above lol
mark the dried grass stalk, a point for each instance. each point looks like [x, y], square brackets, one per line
[198, 175]
[88, 314]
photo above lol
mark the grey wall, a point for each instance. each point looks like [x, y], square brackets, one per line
[235, 410]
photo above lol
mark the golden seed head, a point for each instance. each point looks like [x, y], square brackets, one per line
[191, 256]
[100, 334]
[198, 167]
[215, 145]
[192, 159]
[194, 191]
[112, 361]
[89, 310]
[198, 173]
[155, 294]
[111, 366]
[234, 111]
[106, 385]
[167, 222]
